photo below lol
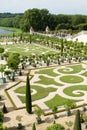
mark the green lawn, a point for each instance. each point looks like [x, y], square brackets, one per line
[57, 101]
[47, 71]
[21, 90]
[69, 90]
[85, 74]
[71, 79]
[47, 81]
[76, 69]
[41, 92]
[28, 49]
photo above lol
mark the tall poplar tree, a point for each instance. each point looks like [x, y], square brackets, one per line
[62, 46]
[33, 127]
[77, 124]
[28, 96]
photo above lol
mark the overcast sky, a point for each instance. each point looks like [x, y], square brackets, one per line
[54, 6]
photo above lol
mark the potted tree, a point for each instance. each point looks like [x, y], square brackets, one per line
[48, 62]
[20, 126]
[13, 62]
[2, 67]
[38, 112]
[54, 110]
[69, 124]
[84, 108]
[20, 72]
[69, 105]
[6, 55]
[85, 120]
[7, 73]
[1, 51]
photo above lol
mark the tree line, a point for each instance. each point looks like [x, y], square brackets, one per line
[40, 18]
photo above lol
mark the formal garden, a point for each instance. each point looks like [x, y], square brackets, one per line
[54, 89]
[57, 73]
[53, 86]
[44, 51]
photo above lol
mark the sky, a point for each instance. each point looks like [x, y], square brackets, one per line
[54, 6]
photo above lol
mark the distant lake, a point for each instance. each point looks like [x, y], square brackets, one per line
[4, 32]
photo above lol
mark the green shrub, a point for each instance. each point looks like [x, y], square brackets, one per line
[55, 126]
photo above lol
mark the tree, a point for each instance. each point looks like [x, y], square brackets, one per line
[4, 109]
[78, 19]
[62, 46]
[77, 124]
[1, 51]
[38, 112]
[2, 67]
[85, 119]
[28, 96]
[69, 123]
[55, 126]
[33, 127]
[16, 21]
[1, 126]
[68, 105]
[20, 73]
[44, 18]
[54, 110]
[13, 61]
[7, 73]
[1, 116]
[19, 118]
[32, 17]
[6, 55]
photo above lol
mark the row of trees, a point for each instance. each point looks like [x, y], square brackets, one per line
[11, 21]
[40, 18]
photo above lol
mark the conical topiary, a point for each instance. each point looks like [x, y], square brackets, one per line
[77, 124]
[33, 126]
[28, 96]
[4, 109]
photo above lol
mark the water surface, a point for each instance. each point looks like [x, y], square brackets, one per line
[4, 32]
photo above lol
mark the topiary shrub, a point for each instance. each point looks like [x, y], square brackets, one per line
[55, 126]
[4, 109]
[33, 126]
[77, 124]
